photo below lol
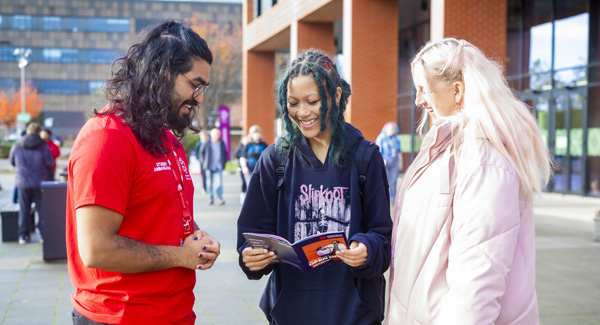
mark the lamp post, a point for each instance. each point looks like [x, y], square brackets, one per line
[23, 60]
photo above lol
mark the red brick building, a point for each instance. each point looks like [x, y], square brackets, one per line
[550, 49]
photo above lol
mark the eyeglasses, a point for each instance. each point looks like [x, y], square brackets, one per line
[200, 89]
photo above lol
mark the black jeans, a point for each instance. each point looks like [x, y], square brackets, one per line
[79, 319]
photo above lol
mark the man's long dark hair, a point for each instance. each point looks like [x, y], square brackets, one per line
[141, 84]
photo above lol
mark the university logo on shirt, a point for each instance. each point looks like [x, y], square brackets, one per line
[161, 165]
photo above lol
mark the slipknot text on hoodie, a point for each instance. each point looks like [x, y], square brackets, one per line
[321, 209]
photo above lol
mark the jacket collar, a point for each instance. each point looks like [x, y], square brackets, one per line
[435, 143]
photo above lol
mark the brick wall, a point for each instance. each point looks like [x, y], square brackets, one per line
[316, 35]
[482, 23]
[374, 65]
[258, 92]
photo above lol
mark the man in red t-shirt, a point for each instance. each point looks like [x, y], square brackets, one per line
[132, 245]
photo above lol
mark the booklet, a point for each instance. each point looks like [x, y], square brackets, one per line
[306, 254]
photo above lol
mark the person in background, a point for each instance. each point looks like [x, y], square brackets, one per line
[132, 245]
[214, 157]
[320, 177]
[239, 151]
[46, 135]
[15, 197]
[389, 145]
[33, 161]
[254, 149]
[203, 139]
[464, 232]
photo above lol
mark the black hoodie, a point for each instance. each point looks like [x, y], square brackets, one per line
[336, 292]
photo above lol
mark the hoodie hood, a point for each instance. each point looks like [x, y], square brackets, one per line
[32, 141]
[311, 159]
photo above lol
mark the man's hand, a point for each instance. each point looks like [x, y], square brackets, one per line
[257, 259]
[205, 247]
[355, 256]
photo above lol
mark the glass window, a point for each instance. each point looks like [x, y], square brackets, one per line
[74, 24]
[21, 22]
[94, 86]
[413, 12]
[6, 54]
[52, 55]
[141, 23]
[8, 85]
[101, 56]
[66, 87]
[51, 23]
[571, 43]
[537, 44]
[105, 25]
[410, 40]
[63, 55]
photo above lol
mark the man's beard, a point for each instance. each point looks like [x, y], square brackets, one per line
[179, 123]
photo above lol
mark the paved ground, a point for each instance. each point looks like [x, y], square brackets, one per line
[568, 267]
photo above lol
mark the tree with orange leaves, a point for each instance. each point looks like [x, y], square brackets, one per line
[225, 42]
[10, 106]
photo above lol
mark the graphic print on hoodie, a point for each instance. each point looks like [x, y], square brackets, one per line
[322, 206]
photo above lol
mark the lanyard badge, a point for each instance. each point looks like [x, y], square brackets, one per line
[187, 228]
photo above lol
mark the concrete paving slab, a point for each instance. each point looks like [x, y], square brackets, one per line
[568, 267]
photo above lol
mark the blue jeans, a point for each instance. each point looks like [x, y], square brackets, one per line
[26, 197]
[392, 176]
[214, 182]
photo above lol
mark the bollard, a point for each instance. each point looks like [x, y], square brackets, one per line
[597, 225]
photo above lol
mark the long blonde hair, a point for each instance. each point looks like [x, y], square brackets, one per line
[490, 110]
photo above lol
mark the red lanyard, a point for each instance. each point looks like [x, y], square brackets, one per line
[187, 228]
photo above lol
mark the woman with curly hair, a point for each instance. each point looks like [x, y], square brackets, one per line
[318, 192]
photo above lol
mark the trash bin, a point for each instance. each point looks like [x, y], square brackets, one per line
[10, 222]
[53, 219]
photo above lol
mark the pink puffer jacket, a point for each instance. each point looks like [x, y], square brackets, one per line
[462, 257]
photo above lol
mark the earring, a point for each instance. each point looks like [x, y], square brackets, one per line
[458, 106]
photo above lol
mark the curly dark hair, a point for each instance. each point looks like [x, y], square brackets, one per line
[326, 76]
[141, 83]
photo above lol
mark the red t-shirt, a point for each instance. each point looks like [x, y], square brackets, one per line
[109, 167]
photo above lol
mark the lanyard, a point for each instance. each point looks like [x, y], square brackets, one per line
[187, 228]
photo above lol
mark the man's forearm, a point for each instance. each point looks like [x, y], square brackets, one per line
[126, 255]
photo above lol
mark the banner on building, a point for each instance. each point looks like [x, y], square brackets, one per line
[224, 126]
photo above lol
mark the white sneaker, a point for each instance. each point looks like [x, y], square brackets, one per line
[23, 240]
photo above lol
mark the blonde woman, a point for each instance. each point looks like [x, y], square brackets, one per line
[463, 241]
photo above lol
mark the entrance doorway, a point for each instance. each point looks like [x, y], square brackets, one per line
[562, 117]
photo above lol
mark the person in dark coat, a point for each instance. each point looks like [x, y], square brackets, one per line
[33, 161]
[214, 157]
